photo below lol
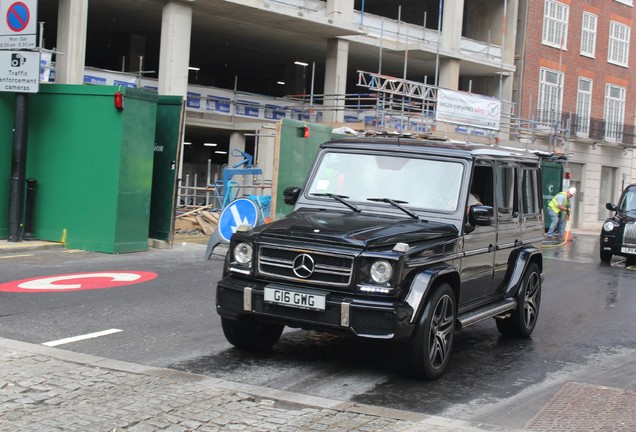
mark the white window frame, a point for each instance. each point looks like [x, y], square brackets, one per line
[555, 24]
[614, 113]
[627, 2]
[589, 24]
[550, 101]
[583, 107]
[618, 45]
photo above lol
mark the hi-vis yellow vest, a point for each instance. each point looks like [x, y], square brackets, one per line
[553, 203]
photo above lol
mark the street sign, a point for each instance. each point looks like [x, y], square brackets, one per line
[18, 24]
[19, 71]
[77, 281]
[242, 211]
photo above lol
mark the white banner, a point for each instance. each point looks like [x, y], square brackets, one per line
[468, 109]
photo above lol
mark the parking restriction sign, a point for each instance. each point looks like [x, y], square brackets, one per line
[18, 24]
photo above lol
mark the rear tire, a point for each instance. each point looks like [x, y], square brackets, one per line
[250, 335]
[429, 348]
[523, 319]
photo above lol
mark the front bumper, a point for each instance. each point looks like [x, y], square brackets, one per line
[377, 319]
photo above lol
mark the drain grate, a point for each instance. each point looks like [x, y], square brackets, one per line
[48, 257]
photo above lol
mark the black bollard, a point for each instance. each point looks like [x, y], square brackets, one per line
[29, 214]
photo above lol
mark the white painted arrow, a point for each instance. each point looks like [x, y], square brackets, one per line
[237, 219]
[50, 282]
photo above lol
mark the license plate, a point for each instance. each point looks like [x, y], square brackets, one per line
[628, 250]
[297, 299]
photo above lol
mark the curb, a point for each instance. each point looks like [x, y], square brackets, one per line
[420, 422]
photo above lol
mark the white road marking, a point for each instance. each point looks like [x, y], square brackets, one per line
[50, 282]
[81, 337]
[14, 256]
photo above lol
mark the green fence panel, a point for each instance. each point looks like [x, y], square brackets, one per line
[552, 181]
[164, 175]
[7, 102]
[296, 156]
[93, 164]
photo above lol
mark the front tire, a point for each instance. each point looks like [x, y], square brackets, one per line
[250, 335]
[429, 348]
[606, 256]
[523, 319]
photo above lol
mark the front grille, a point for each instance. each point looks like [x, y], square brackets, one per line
[629, 236]
[373, 322]
[328, 269]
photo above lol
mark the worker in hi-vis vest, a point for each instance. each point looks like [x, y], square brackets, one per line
[559, 209]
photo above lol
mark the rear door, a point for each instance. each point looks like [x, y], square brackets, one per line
[508, 218]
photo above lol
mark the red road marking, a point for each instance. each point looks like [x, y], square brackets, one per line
[78, 281]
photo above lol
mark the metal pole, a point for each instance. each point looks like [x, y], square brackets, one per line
[439, 40]
[18, 167]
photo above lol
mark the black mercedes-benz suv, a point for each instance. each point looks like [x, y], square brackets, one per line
[402, 240]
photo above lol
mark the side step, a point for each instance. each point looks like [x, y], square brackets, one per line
[488, 311]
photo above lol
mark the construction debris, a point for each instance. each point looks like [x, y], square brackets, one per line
[201, 219]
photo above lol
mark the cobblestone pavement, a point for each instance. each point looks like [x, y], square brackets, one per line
[48, 389]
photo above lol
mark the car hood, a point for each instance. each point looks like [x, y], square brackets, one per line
[625, 217]
[354, 229]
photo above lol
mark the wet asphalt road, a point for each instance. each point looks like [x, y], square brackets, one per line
[585, 332]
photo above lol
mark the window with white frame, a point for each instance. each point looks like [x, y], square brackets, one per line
[555, 24]
[550, 97]
[618, 50]
[583, 107]
[588, 34]
[614, 113]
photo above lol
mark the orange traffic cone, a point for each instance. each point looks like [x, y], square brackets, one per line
[567, 235]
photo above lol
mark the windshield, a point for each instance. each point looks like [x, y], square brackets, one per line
[628, 203]
[419, 183]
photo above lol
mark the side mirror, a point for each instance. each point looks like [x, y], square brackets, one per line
[481, 215]
[290, 195]
[610, 206]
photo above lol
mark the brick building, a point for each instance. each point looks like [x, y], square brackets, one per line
[576, 95]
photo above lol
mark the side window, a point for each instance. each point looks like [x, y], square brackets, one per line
[506, 191]
[481, 184]
[530, 191]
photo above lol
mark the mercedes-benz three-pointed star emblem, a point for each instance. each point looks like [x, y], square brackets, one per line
[304, 266]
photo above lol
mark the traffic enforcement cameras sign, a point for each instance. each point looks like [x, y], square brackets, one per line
[19, 71]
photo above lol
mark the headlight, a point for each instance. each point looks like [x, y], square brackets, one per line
[608, 226]
[243, 253]
[381, 271]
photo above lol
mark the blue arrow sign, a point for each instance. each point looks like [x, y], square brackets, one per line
[242, 211]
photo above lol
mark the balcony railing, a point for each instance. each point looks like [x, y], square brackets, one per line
[574, 126]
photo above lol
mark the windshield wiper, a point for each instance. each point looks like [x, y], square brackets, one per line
[396, 204]
[339, 198]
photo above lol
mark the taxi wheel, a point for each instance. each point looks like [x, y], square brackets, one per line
[606, 256]
[523, 319]
[429, 348]
[250, 335]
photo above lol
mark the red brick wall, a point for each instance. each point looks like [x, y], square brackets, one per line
[572, 63]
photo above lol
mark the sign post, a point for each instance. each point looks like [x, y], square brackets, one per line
[19, 73]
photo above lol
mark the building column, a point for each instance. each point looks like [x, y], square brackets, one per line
[335, 80]
[452, 19]
[72, 18]
[340, 10]
[174, 55]
[448, 74]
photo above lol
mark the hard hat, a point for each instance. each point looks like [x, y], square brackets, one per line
[572, 190]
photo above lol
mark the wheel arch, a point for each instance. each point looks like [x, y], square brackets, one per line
[424, 283]
[522, 260]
